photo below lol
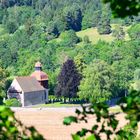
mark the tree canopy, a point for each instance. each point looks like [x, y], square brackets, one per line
[97, 83]
[68, 80]
[123, 8]
[3, 78]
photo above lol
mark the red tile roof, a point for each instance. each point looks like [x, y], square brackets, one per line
[40, 75]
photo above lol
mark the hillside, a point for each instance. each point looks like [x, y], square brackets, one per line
[92, 33]
[52, 31]
[63, 53]
[94, 36]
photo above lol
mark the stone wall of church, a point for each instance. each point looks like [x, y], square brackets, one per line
[33, 98]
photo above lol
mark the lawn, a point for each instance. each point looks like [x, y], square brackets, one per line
[114, 109]
[94, 36]
[57, 104]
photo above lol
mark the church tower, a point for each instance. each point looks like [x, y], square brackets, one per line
[41, 77]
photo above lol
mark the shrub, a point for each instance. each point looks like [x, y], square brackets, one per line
[11, 26]
[118, 33]
[12, 103]
[69, 38]
[134, 31]
[86, 39]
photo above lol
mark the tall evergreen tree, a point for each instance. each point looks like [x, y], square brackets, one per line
[73, 18]
[68, 80]
[104, 23]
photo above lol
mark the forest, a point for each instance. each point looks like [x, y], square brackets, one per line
[49, 31]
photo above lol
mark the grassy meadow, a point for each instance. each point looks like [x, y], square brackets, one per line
[94, 36]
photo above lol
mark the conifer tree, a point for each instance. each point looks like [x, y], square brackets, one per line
[104, 23]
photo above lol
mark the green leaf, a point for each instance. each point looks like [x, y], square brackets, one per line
[94, 127]
[78, 111]
[69, 120]
[114, 124]
[82, 132]
[92, 137]
[75, 137]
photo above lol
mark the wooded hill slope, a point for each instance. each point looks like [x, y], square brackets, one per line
[53, 30]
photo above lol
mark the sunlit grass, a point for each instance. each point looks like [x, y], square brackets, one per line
[57, 104]
[115, 109]
[94, 36]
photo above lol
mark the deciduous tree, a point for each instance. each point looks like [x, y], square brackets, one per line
[97, 82]
[134, 32]
[3, 76]
[69, 38]
[68, 80]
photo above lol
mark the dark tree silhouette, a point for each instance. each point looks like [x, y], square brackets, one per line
[68, 80]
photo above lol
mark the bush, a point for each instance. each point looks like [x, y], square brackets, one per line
[86, 39]
[134, 31]
[11, 26]
[69, 38]
[12, 103]
[118, 33]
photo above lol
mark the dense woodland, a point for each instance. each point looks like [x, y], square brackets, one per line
[46, 30]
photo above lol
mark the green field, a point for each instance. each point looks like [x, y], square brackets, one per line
[94, 36]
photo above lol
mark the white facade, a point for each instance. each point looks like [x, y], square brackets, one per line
[15, 85]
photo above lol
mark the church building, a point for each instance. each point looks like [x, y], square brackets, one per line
[30, 90]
